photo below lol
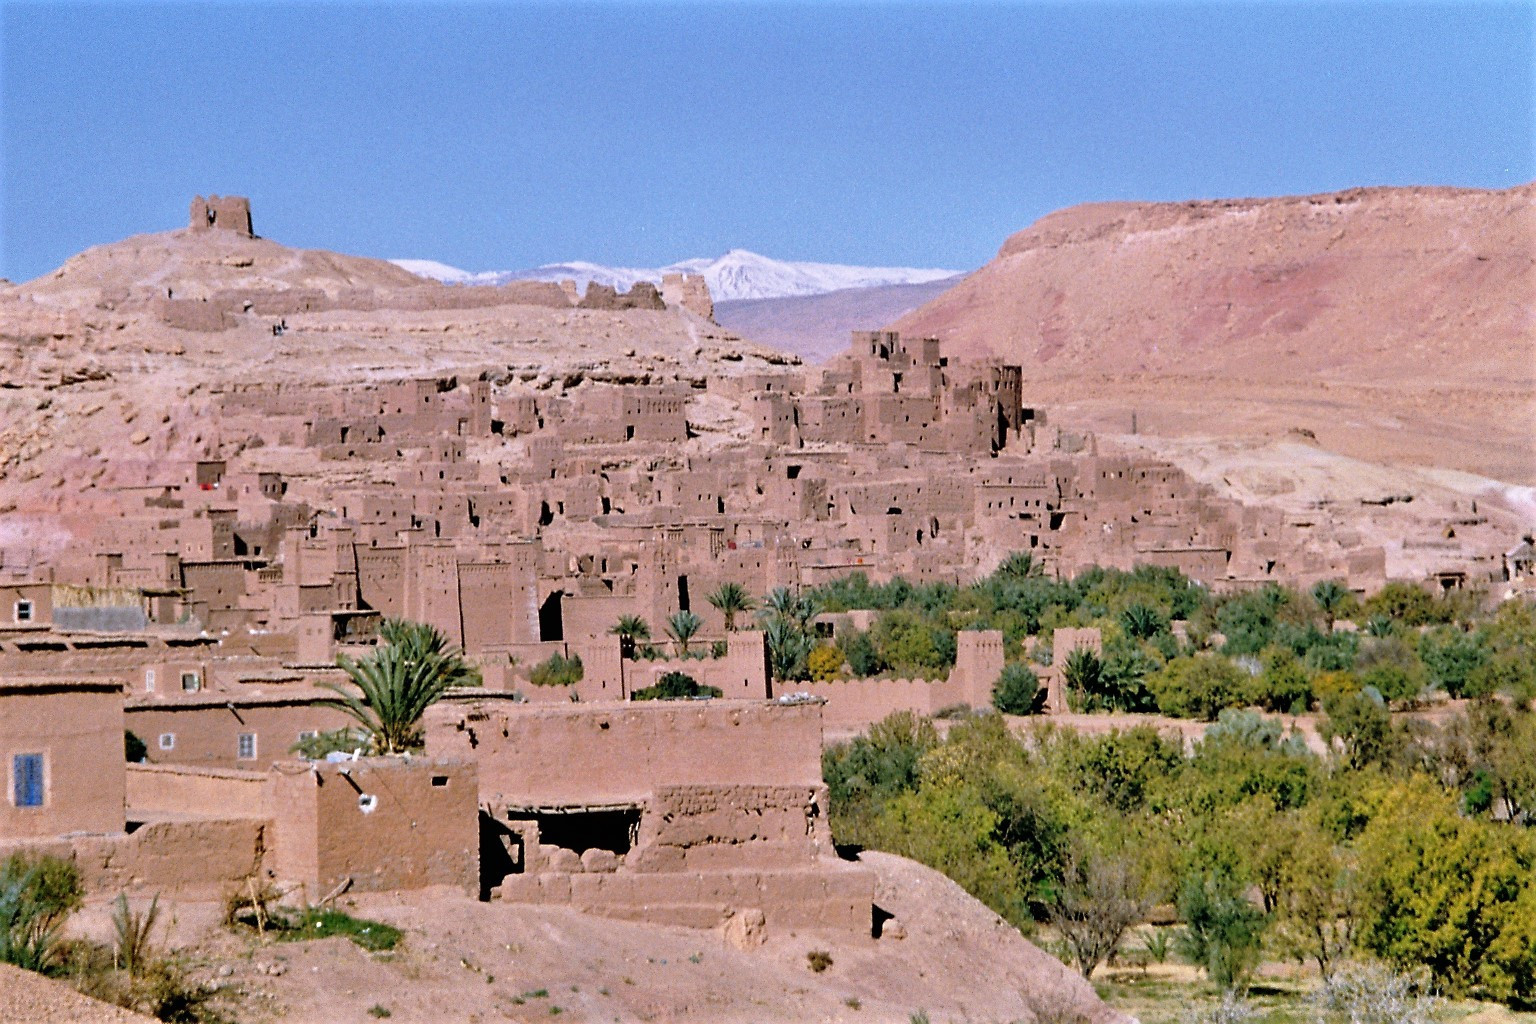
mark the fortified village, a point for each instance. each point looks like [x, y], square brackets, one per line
[205, 593]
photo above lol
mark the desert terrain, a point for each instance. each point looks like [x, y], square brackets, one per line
[1392, 327]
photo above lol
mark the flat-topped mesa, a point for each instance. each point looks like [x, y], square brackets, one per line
[224, 213]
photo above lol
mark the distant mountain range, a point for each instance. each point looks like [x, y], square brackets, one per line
[737, 275]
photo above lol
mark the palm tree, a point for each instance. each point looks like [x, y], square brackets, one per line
[1332, 597]
[399, 681]
[1018, 566]
[788, 648]
[629, 629]
[780, 603]
[681, 626]
[1083, 671]
[1141, 621]
[731, 599]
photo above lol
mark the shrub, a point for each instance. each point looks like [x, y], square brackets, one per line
[1283, 684]
[824, 662]
[316, 747]
[818, 960]
[557, 670]
[131, 946]
[1223, 931]
[1198, 686]
[36, 896]
[675, 686]
[1017, 691]
[860, 653]
[1369, 994]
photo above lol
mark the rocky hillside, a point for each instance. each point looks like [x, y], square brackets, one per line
[1402, 317]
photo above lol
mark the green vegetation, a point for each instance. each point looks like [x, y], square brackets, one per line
[398, 682]
[675, 686]
[557, 670]
[1409, 842]
[316, 923]
[682, 627]
[314, 748]
[631, 631]
[1017, 691]
[37, 894]
[731, 600]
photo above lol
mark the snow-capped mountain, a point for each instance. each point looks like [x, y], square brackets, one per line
[738, 274]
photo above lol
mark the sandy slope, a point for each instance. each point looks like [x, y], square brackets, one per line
[465, 961]
[1396, 324]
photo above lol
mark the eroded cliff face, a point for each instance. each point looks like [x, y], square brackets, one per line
[1408, 310]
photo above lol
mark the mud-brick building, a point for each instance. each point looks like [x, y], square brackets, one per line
[61, 741]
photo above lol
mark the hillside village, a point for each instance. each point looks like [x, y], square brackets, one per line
[207, 597]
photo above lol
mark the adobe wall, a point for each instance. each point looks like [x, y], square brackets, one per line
[197, 858]
[226, 213]
[207, 732]
[718, 828]
[690, 292]
[205, 792]
[382, 822]
[852, 705]
[78, 728]
[574, 755]
[833, 895]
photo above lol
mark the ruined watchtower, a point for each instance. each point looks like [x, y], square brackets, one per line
[227, 213]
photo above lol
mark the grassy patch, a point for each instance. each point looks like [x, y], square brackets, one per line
[373, 936]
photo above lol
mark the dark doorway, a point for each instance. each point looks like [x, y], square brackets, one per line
[551, 621]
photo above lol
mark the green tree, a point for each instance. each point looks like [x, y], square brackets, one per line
[1142, 622]
[1283, 685]
[731, 600]
[631, 630]
[1016, 690]
[1223, 932]
[1333, 600]
[682, 626]
[1452, 657]
[675, 686]
[1450, 894]
[398, 682]
[1198, 686]
[1360, 726]
[37, 894]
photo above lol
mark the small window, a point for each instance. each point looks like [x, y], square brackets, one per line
[439, 781]
[27, 777]
[246, 747]
[149, 679]
[191, 682]
[23, 611]
[167, 741]
[307, 734]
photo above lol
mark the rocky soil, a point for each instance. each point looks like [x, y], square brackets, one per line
[1396, 325]
[942, 953]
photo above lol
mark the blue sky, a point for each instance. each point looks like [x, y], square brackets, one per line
[504, 135]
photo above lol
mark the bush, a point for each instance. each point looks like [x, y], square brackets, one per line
[557, 670]
[1283, 684]
[1223, 931]
[824, 662]
[1198, 686]
[818, 960]
[316, 747]
[860, 653]
[1452, 657]
[675, 686]
[37, 894]
[1017, 691]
